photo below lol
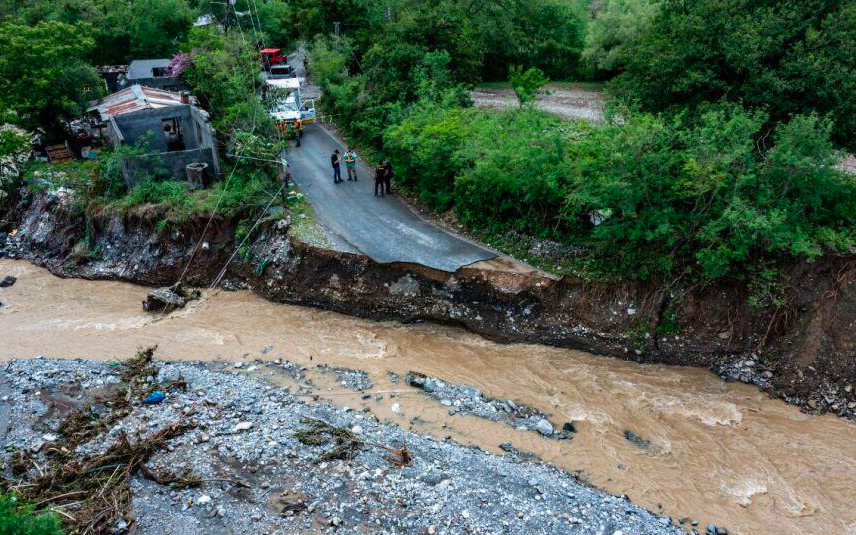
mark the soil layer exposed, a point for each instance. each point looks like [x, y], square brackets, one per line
[803, 352]
[676, 437]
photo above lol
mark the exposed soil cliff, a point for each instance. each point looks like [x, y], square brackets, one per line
[802, 352]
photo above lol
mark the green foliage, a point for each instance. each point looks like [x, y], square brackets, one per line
[107, 19]
[698, 197]
[12, 142]
[328, 58]
[44, 77]
[17, 517]
[527, 85]
[547, 34]
[684, 196]
[240, 196]
[275, 18]
[787, 57]
[614, 24]
[158, 27]
[223, 75]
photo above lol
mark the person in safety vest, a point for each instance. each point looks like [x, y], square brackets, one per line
[351, 163]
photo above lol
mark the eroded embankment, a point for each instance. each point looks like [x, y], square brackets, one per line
[802, 352]
[676, 439]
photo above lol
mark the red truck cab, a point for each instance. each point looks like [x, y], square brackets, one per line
[271, 56]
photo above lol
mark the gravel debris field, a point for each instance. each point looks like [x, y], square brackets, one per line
[270, 462]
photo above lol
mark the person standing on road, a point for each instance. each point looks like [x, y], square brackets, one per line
[337, 171]
[380, 177]
[387, 176]
[351, 163]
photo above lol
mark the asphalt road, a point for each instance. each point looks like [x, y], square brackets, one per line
[385, 229]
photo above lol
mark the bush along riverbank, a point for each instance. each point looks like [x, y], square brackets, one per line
[222, 451]
[801, 352]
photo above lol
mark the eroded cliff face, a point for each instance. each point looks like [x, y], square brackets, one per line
[803, 352]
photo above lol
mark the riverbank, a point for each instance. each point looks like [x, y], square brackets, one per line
[252, 458]
[676, 439]
[802, 353]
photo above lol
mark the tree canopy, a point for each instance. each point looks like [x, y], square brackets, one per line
[786, 57]
[44, 74]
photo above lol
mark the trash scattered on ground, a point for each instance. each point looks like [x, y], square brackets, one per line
[154, 398]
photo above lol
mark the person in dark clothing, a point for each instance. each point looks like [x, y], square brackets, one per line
[387, 176]
[380, 177]
[335, 160]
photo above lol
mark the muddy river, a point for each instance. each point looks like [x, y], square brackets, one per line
[720, 453]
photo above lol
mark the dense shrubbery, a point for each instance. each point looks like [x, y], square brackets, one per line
[682, 196]
[44, 77]
[700, 197]
[786, 57]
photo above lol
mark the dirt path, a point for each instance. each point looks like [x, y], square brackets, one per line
[567, 100]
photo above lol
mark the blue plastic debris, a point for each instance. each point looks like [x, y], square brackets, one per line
[154, 398]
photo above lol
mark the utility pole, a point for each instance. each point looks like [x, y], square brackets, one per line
[336, 27]
[227, 18]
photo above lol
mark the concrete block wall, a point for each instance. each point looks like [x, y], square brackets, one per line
[174, 165]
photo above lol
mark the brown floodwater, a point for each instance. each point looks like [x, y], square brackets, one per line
[720, 453]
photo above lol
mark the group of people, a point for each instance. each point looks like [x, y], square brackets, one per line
[383, 172]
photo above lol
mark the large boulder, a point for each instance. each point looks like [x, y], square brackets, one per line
[168, 299]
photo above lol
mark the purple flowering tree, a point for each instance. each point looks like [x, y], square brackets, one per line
[178, 64]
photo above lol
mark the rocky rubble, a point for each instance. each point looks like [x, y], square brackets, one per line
[356, 380]
[468, 399]
[256, 468]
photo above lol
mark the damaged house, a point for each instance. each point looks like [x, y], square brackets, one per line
[153, 73]
[178, 134]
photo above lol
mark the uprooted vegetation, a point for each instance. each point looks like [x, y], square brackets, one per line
[346, 443]
[91, 491]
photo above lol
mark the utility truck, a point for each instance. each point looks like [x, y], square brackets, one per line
[285, 105]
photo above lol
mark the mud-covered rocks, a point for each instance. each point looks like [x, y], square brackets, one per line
[168, 299]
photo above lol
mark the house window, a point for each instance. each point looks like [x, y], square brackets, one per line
[158, 72]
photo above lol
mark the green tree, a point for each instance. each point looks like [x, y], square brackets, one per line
[108, 20]
[44, 76]
[527, 85]
[788, 57]
[614, 24]
[158, 27]
[275, 17]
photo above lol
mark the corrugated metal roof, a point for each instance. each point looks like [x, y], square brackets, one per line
[142, 68]
[135, 98]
